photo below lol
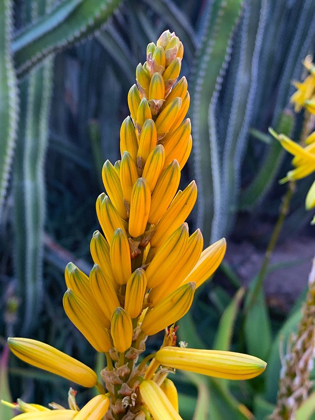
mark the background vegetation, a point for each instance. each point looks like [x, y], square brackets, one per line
[61, 105]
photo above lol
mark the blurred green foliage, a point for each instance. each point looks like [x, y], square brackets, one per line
[61, 106]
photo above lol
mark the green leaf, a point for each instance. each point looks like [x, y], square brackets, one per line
[187, 332]
[65, 24]
[202, 404]
[6, 413]
[257, 327]
[307, 409]
[226, 325]
[262, 408]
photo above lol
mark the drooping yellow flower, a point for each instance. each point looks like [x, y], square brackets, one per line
[305, 93]
[147, 264]
[304, 162]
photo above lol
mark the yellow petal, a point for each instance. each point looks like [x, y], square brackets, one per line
[157, 402]
[150, 50]
[52, 360]
[166, 118]
[158, 61]
[310, 148]
[113, 188]
[25, 407]
[167, 257]
[310, 139]
[95, 409]
[300, 172]
[180, 52]
[171, 49]
[169, 310]
[182, 113]
[157, 87]
[121, 330]
[135, 292]
[164, 191]
[120, 257]
[310, 198]
[51, 414]
[147, 142]
[143, 113]
[143, 79]
[128, 138]
[164, 39]
[209, 261]
[178, 91]
[87, 322]
[140, 205]
[182, 159]
[133, 101]
[170, 391]
[176, 214]
[180, 271]
[99, 248]
[104, 294]
[295, 149]
[108, 217]
[128, 175]
[219, 364]
[153, 166]
[176, 141]
[310, 106]
[173, 70]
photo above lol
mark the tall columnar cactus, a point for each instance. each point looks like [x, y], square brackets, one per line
[210, 65]
[8, 97]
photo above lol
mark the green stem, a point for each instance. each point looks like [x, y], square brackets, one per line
[284, 209]
[109, 361]
[100, 388]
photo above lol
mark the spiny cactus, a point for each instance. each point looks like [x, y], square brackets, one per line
[67, 23]
[210, 65]
[8, 97]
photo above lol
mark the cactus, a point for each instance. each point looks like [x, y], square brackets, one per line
[8, 97]
[70, 21]
[210, 65]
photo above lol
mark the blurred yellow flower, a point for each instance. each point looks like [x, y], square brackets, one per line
[305, 93]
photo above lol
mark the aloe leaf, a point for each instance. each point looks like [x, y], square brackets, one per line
[8, 98]
[307, 409]
[210, 65]
[203, 399]
[262, 408]
[187, 332]
[65, 24]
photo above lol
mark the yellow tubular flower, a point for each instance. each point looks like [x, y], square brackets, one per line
[135, 291]
[143, 79]
[170, 310]
[219, 364]
[176, 214]
[153, 166]
[165, 119]
[108, 217]
[182, 159]
[140, 205]
[182, 113]
[85, 319]
[120, 257]
[310, 198]
[121, 330]
[54, 414]
[181, 270]
[95, 409]
[164, 191]
[157, 87]
[147, 142]
[128, 175]
[100, 252]
[113, 188]
[176, 141]
[26, 407]
[158, 60]
[157, 402]
[208, 262]
[52, 360]
[104, 293]
[167, 256]
[310, 139]
[143, 113]
[310, 148]
[133, 101]
[170, 391]
[179, 91]
[128, 139]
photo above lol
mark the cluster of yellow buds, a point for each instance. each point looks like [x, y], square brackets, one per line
[147, 264]
[304, 97]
